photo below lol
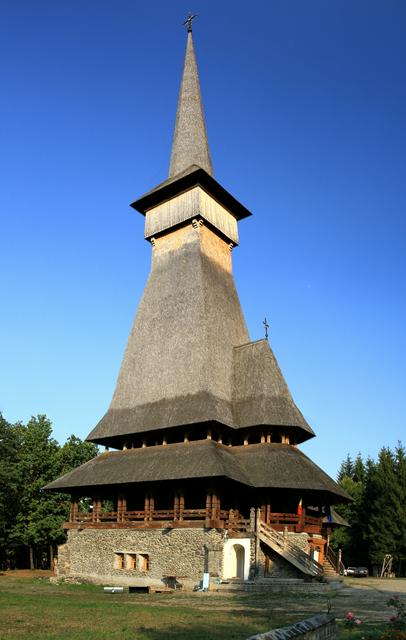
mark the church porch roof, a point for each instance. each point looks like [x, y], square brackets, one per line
[272, 466]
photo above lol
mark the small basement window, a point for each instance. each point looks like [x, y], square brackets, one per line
[143, 562]
[119, 560]
[131, 561]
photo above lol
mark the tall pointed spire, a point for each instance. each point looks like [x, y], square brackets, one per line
[190, 145]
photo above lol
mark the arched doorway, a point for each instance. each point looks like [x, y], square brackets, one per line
[239, 560]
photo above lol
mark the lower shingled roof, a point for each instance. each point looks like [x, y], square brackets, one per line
[258, 465]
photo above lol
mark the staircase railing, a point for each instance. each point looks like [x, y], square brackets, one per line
[334, 560]
[286, 548]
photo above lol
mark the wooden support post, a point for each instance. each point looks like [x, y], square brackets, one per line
[73, 510]
[123, 508]
[208, 508]
[268, 438]
[146, 507]
[176, 506]
[266, 510]
[181, 505]
[257, 525]
[119, 508]
[151, 507]
[262, 438]
[252, 519]
[96, 510]
[214, 506]
[263, 512]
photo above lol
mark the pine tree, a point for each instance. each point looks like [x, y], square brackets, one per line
[383, 498]
[346, 469]
[400, 467]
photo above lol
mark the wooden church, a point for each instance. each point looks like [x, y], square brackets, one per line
[202, 473]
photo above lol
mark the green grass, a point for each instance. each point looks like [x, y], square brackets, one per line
[35, 609]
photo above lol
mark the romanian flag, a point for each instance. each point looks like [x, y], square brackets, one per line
[300, 507]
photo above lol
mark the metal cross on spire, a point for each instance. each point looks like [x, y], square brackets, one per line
[188, 21]
[266, 326]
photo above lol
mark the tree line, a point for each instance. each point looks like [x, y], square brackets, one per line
[30, 518]
[377, 514]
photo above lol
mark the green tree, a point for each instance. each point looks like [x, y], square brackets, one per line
[10, 483]
[378, 512]
[346, 469]
[74, 453]
[383, 499]
[38, 524]
[400, 465]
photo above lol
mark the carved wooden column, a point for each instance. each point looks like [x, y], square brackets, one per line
[176, 506]
[121, 508]
[181, 505]
[73, 509]
[215, 506]
[208, 508]
[96, 509]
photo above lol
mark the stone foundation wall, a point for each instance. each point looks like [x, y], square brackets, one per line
[300, 540]
[146, 556]
[321, 627]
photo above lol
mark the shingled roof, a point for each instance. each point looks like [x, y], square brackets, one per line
[190, 145]
[263, 465]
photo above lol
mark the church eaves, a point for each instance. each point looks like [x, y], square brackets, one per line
[190, 145]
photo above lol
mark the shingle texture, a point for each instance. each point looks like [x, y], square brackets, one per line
[275, 466]
[177, 368]
[181, 365]
[260, 393]
[190, 144]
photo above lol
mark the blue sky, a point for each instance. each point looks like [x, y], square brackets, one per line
[305, 105]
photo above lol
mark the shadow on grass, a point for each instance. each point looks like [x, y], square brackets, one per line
[233, 630]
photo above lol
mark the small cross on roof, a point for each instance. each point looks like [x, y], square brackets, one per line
[188, 21]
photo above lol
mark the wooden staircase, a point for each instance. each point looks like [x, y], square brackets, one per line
[332, 565]
[289, 551]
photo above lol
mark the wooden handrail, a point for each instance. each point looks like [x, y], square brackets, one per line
[334, 560]
[287, 547]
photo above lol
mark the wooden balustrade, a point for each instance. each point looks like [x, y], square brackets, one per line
[230, 519]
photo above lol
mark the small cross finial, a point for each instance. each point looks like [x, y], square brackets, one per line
[188, 22]
[266, 326]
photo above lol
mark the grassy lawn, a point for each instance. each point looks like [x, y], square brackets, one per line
[33, 609]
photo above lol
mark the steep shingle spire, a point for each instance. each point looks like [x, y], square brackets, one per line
[190, 145]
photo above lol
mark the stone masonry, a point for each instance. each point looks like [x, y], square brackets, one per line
[141, 557]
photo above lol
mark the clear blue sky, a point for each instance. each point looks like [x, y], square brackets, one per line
[306, 112]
